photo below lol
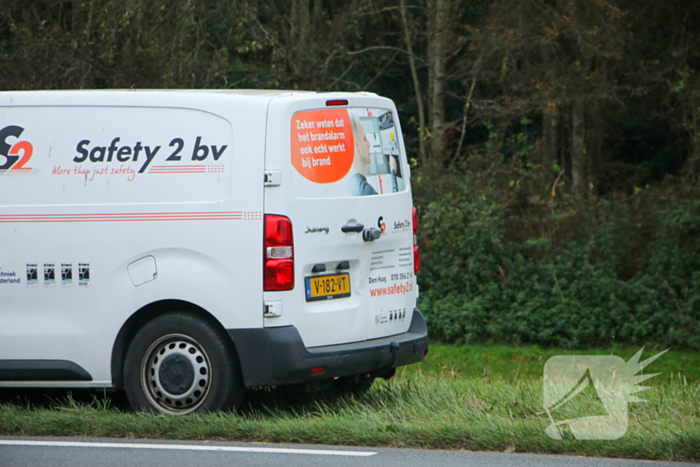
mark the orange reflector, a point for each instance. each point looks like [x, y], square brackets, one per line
[318, 370]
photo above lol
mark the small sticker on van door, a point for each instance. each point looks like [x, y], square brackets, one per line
[66, 274]
[49, 274]
[83, 274]
[32, 275]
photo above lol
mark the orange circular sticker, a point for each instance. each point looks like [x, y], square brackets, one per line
[323, 146]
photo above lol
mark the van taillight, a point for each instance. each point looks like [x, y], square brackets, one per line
[416, 251]
[333, 102]
[415, 221]
[416, 258]
[278, 257]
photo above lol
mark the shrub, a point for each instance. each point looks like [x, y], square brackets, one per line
[518, 265]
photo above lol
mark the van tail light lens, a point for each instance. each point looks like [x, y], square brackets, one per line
[416, 257]
[279, 275]
[278, 255]
[333, 102]
[415, 221]
[416, 250]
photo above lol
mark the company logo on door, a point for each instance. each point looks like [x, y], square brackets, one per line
[381, 224]
[14, 157]
[129, 158]
[401, 226]
[116, 157]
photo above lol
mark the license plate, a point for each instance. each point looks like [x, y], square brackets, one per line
[327, 287]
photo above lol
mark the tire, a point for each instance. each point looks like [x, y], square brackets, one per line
[179, 364]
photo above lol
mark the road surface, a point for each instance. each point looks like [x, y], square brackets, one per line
[100, 452]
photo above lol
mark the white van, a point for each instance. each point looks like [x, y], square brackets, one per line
[186, 245]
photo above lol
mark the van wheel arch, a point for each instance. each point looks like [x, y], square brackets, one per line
[143, 316]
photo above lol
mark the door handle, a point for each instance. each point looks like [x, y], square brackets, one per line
[353, 228]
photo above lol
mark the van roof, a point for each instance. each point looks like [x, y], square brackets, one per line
[242, 92]
[90, 96]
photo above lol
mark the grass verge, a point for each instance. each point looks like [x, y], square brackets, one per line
[427, 407]
[527, 362]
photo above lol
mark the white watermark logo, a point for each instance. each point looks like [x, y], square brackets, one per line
[589, 394]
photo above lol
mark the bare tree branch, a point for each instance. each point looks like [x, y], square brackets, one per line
[416, 83]
[464, 121]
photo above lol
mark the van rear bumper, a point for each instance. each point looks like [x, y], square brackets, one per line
[275, 356]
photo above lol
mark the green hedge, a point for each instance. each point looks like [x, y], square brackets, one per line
[505, 261]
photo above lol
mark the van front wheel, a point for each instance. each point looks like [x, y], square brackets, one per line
[179, 364]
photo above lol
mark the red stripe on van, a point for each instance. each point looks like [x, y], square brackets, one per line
[129, 217]
[178, 169]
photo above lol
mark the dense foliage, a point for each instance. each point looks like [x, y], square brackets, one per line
[507, 262]
[555, 143]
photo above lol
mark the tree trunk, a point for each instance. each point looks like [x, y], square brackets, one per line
[318, 10]
[550, 118]
[578, 148]
[596, 121]
[694, 126]
[550, 132]
[437, 73]
[692, 164]
[304, 46]
[416, 82]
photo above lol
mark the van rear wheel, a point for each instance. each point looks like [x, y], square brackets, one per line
[180, 364]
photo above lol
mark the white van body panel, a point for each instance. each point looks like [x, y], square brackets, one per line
[319, 240]
[113, 203]
[198, 225]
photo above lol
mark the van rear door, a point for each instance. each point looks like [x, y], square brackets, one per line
[338, 170]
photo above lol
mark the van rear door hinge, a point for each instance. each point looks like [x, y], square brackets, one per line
[273, 178]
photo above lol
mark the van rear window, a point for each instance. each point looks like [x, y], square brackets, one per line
[344, 152]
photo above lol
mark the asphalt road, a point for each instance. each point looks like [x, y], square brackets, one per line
[54, 452]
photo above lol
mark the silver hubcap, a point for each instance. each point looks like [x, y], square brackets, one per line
[176, 374]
